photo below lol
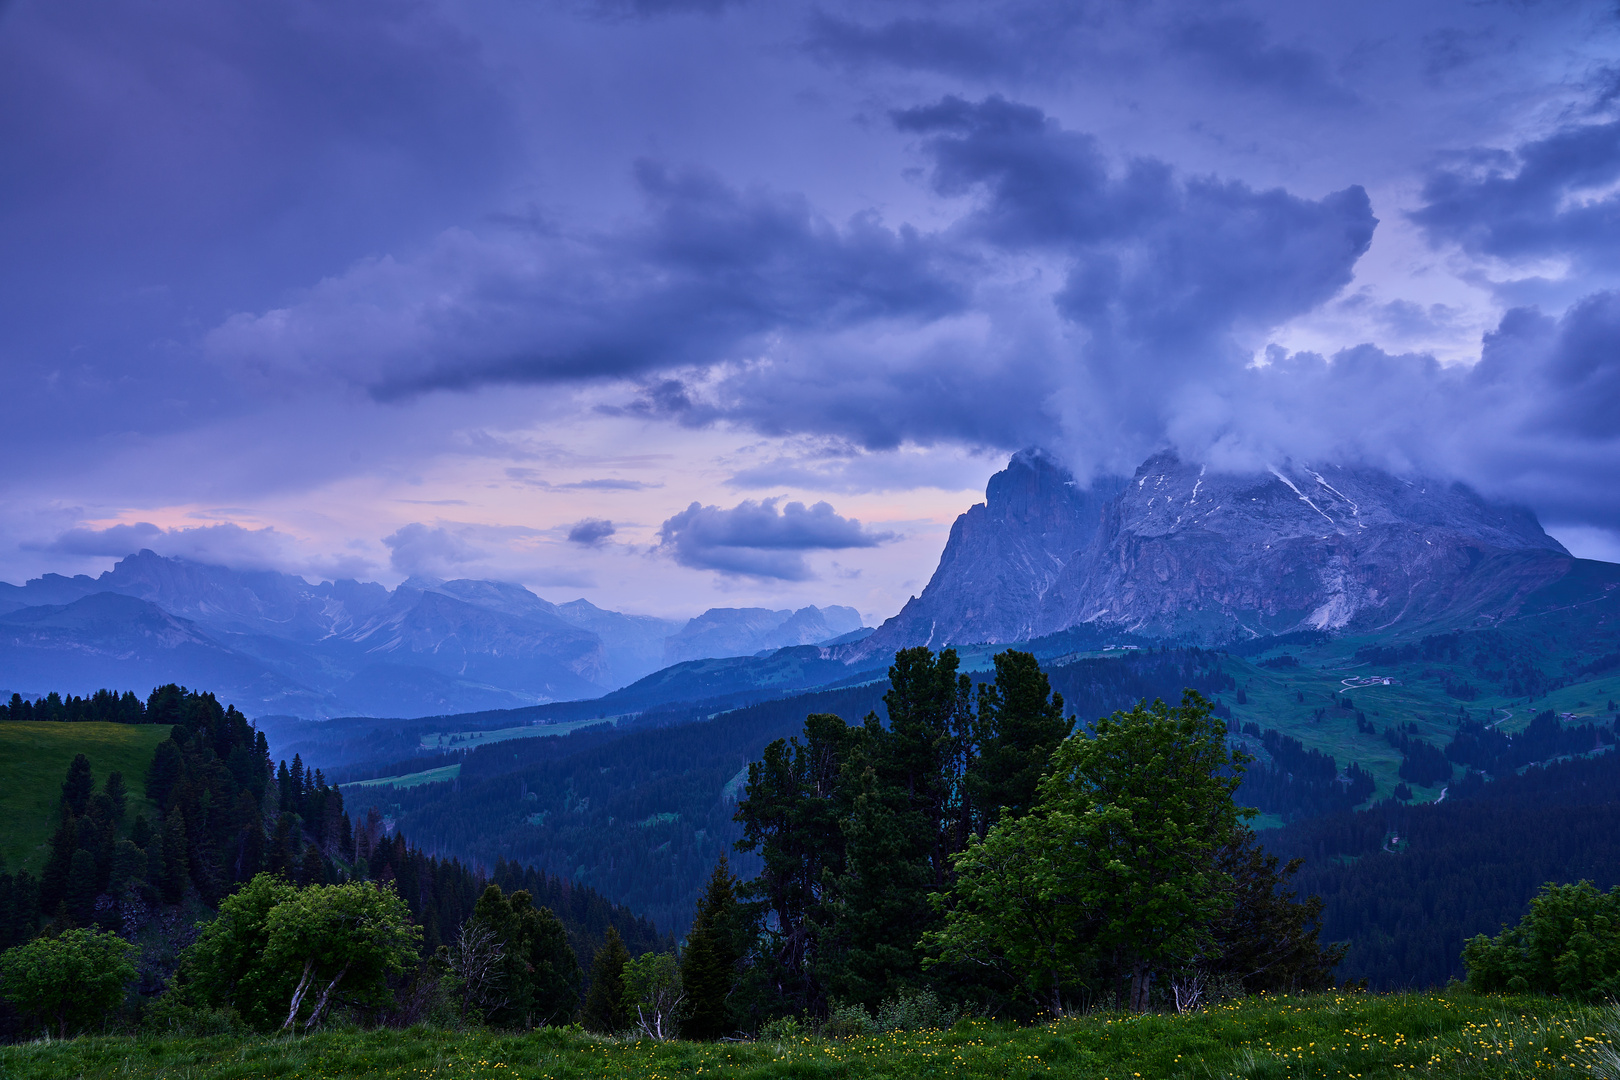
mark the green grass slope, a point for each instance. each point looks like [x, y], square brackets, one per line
[1309, 703]
[1342, 1036]
[34, 759]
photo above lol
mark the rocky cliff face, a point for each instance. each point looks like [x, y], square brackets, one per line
[1180, 551]
[1003, 556]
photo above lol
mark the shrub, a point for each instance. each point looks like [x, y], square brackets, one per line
[848, 1022]
[916, 1012]
[1568, 944]
[781, 1029]
[69, 982]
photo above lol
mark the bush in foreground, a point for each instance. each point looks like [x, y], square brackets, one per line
[1568, 944]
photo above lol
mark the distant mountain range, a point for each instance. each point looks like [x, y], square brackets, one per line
[1184, 553]
[274, 643]
[1177, 552]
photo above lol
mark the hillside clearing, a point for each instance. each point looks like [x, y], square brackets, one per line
[34, 759]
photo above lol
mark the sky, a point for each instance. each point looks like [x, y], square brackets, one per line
[673, 304]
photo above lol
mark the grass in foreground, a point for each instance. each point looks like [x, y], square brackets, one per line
[1359, 1037]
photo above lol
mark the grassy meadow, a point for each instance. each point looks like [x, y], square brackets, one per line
[1301, 702]
[34, 759]
[1355, 1036]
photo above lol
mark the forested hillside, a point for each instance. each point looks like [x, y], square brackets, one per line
[215, 814]
[1405, 886]
[641, 811]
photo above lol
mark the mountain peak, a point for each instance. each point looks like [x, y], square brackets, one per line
[1180, 550]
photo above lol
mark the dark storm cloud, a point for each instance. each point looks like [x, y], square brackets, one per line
[757, 540]
[590, 532]
[1159, 272]
[1568, 367]
[709, 270]
[1160, 255]
[1551, 197]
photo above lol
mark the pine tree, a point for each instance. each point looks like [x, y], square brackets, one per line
[53, 881]
[283, 848]
[163, 776]
[175, 870]
[540, 976]
[76, 791]
[117, 793]
[1020, 723]
[709, 964]
[81, 887]
[604, 1009]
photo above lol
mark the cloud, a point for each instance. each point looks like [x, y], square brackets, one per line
[925, 43]
[532, 478]
[590, 532]
[1159, 259]
[1535, 421]
[1106, 290]
[1554, 197]
[417, 549]
[850, 470]
[224, 545]
[652, 9]
[1237, 50]
[756, 540]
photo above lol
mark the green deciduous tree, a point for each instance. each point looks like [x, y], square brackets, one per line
[354, 935]
[604, 1009]
[1115, 875]
[68, 982]
[1568, 944]
[227, 964]
[653, 995]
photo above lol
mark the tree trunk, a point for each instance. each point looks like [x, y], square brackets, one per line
[326, 995]
[298, 994]
[1141, 979]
